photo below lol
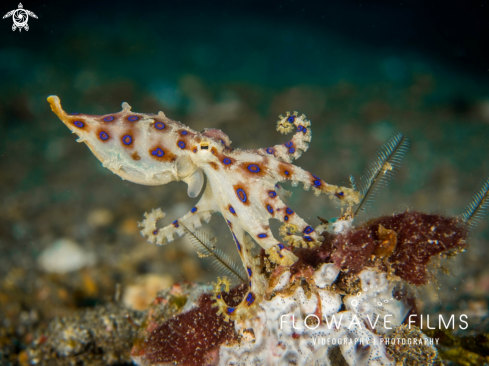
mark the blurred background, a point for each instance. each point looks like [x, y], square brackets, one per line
[361, 71]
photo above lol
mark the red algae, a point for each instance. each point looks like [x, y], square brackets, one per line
[414, 240]
[189, 338]
[353, 249]
[420, 238]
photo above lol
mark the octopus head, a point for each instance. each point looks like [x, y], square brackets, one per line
[132, 145]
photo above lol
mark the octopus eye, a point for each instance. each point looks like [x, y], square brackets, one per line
[204, 147]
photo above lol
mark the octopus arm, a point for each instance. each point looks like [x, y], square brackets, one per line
[292, 149]
[202, 211]
[283, 172]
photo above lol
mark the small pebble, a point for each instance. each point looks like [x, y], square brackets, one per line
[64, 256]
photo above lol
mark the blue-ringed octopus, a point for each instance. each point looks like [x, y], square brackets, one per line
[151, 149]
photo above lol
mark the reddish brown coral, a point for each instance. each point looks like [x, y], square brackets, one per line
[353, 249]
[313, 257]
[190, 338]
[420, 238]
[408, 241]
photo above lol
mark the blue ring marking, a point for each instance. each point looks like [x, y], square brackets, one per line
[184, 133]
[226, 161]
[181, 144]
[195, 150]
[317, 183]
[250, 283]
[159, 125]
[291, 119]
[231, 310]
[253, 168]
[79, 124]
[299, 128]
[307, 238]
[132, 118]
[249, 271]
[308, 230]
[340, 194]
[289, 211]
[109, 119]
[263, 235]
[286, 172]
[315, 176]
[155, 232]
[304, 129]
[270, 209]
[222, 142]
[288, 144]
[193, 209]
[250, 299]
[237, 242]
[286, 218]
[231, 209]
[270, 150]
[175, 223]
[241, 195]
[103, 135]
[158, 152]
[75, 113]
[272, 194]
[281, 246]
[291, 150]
[127, 140]
[218, 296]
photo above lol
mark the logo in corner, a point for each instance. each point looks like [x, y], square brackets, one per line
[20, 17]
